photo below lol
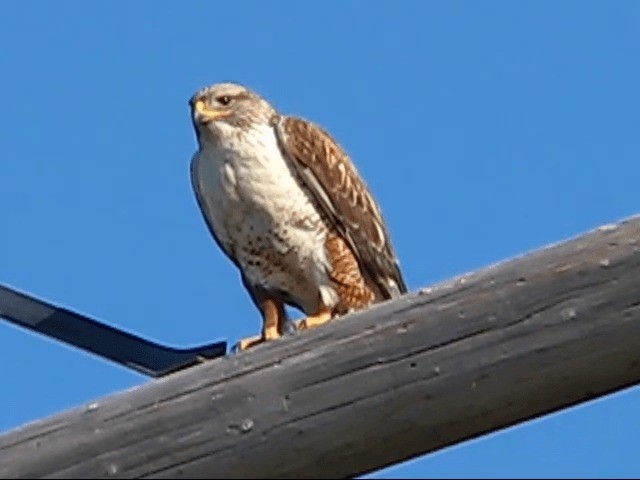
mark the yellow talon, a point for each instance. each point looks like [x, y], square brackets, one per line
[312, 321]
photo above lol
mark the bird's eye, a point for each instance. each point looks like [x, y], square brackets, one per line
[224, 99]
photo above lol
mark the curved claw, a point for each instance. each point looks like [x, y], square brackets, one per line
[247, 343]
[312, 321]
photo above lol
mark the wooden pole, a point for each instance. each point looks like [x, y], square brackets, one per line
[469, 356]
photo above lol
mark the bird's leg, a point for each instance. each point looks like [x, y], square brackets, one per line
[323, 315]
[273, 317]
[273, 312]
[285, 325]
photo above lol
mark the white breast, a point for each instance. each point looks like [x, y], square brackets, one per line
[262, 217]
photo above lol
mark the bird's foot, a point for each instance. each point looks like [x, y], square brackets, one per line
[247, 343]
[312, 321]
[270, 333]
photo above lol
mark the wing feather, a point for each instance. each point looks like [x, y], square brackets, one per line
[328, 174]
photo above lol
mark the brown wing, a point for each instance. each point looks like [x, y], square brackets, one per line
[328, 174]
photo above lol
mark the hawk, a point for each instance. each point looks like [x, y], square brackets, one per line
[287, 206]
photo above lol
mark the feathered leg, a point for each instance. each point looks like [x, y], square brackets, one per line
[273, 319]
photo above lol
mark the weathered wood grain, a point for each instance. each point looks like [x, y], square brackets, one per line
[472, 355]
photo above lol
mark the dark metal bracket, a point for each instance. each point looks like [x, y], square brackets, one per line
[131, 351]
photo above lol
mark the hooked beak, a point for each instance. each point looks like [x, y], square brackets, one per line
[204, 114]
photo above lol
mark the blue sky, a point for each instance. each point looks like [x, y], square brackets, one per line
[485, 130]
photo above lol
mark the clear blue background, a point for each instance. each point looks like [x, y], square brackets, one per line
[485, 129]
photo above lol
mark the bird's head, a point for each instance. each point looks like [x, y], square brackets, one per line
[224, 107]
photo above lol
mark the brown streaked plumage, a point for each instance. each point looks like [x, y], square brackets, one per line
[286, 204]
[336, 185]
[351, 285]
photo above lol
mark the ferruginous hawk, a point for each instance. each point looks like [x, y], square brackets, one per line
[288, 207]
